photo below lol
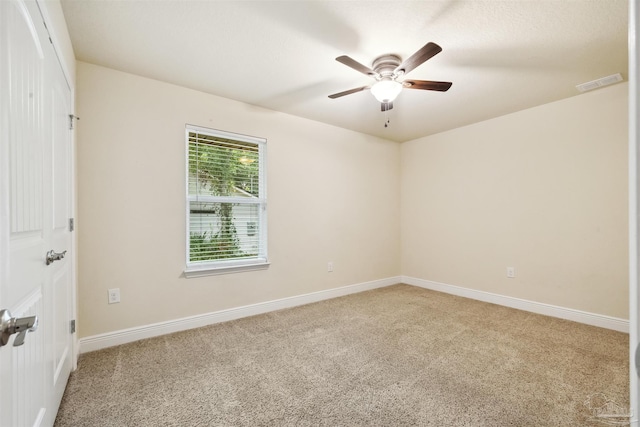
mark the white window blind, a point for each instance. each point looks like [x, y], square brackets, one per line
[226, 201]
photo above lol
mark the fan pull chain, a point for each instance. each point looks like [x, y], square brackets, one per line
[386, 116]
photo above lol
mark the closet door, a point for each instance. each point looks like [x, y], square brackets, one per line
[35, 182]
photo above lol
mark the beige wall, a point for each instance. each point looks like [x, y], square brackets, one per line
[332, 196]
[543, 190]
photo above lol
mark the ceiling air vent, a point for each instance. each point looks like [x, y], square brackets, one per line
[601, 82]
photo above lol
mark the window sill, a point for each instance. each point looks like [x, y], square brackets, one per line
[208, 270]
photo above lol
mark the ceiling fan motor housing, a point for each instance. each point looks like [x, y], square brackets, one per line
[385, 65]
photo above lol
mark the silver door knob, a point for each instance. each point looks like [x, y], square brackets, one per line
[54, 256]
[15, 325]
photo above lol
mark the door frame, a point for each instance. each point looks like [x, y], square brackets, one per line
[634, 209]
[56, 26]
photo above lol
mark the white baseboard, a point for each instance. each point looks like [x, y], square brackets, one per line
[110, 339]
[593, 319]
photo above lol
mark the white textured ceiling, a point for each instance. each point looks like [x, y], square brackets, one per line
[502, 56]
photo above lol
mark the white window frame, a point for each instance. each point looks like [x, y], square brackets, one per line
[205, 268]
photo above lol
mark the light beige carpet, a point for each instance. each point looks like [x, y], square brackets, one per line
[396, 356]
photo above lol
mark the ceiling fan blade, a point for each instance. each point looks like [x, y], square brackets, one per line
[344, 59]
[427, 51]
[348, 92]
[427, 85]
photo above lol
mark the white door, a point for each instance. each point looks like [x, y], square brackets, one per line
[35, 206]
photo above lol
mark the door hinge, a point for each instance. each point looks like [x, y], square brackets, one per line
[72, 224]
[638, 360]
[73, 326]
[71, 118]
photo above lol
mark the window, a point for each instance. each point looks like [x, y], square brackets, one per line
[226, 202]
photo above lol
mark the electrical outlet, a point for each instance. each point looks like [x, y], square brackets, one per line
[114, 295]
[511, 272]
[330, 266]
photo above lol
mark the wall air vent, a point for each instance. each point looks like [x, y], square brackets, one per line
[601, 82]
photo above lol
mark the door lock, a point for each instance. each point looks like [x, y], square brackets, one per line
[12, 325]
[54, 256]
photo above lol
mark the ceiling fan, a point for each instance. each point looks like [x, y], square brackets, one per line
[388, 71]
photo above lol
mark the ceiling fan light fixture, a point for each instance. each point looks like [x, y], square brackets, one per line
[386, 90]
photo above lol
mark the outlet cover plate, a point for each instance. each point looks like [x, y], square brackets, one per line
[114, 295]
